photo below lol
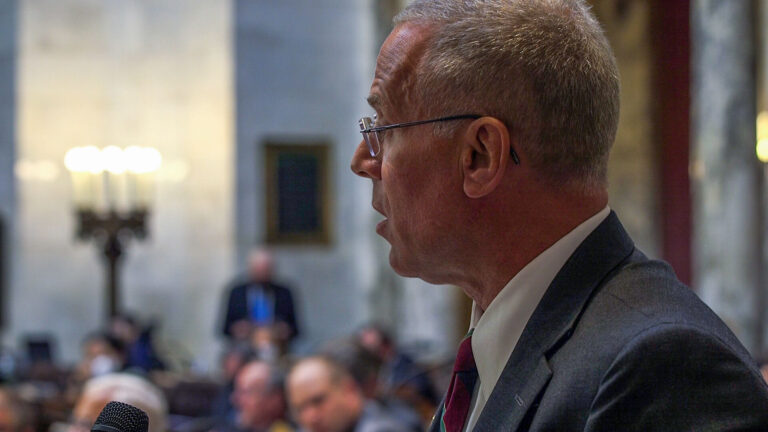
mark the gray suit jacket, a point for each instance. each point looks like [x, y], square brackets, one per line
[617, 343]
[376, 419]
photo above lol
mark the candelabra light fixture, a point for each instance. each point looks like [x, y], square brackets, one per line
[112, 192]
[762, 136]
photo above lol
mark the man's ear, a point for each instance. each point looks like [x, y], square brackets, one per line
[484, 156]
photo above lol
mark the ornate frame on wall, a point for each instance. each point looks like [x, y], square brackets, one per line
[298, 201]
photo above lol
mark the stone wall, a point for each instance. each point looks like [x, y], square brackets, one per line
[125, 73]
[8, 18]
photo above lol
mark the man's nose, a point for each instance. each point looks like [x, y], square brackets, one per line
[365, 165]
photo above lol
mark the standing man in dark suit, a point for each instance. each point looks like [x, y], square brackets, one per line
[488, 154]
[260, 311]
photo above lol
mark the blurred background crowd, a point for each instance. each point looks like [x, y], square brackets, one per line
[363, 381]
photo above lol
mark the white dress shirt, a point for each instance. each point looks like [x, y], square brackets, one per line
[498, 328]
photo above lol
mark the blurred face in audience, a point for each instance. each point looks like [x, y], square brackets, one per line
[231, 364]
[257, 404]
[7, 417]
[321, 400]
[99, 358]
[7, 420]
[86, 412]
[120, 387]
[10, 417]
[260, 265]
[372, 341]
[124, 329]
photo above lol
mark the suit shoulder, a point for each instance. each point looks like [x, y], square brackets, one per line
[238, 284]
[683, 377]
[280, 287]
[646, 351]
[644, 301]
[647, 293]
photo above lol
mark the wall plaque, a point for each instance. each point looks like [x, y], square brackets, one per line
[297, 195]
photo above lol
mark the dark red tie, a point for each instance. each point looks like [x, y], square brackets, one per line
[459, 395]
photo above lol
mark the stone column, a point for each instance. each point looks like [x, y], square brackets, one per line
[633, 155]
[762, 106]
[7, 142]
[726, 175]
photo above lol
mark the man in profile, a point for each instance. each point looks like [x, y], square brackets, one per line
[488, 154]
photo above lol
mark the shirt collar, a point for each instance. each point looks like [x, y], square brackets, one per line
[498, 328]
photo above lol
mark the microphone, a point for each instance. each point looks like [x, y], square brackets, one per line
[121, 417]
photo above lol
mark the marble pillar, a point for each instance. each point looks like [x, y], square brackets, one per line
[762, 106]
[632, 172]
[727, 178]
[7, 143]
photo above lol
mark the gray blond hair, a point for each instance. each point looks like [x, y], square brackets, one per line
[133, 390]
[544, 67]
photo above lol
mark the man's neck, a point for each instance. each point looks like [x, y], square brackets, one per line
[508, 250]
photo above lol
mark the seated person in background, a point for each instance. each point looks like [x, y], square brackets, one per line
[324, 397]
[122, 387]
[400, 377]
[232, 361]
[363, 365]
[15, 416]
[139, 351]
[366, 368]
[259, 399]
[260, 311]
[102, 354]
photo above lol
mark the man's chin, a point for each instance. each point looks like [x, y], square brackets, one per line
[400, 265]
[409, 269]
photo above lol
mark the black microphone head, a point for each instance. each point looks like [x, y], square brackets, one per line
[121, 417]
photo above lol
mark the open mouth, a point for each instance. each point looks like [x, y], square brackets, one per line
[380, 226]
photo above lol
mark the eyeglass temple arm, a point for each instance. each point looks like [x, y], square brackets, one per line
[515, 157]
[512, 152]
[421, 122]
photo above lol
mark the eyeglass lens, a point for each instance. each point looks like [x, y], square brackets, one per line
[371, 138]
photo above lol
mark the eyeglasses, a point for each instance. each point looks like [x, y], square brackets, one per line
[372, 133]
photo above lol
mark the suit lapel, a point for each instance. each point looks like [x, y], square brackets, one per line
[527, 371]
[435, 425]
